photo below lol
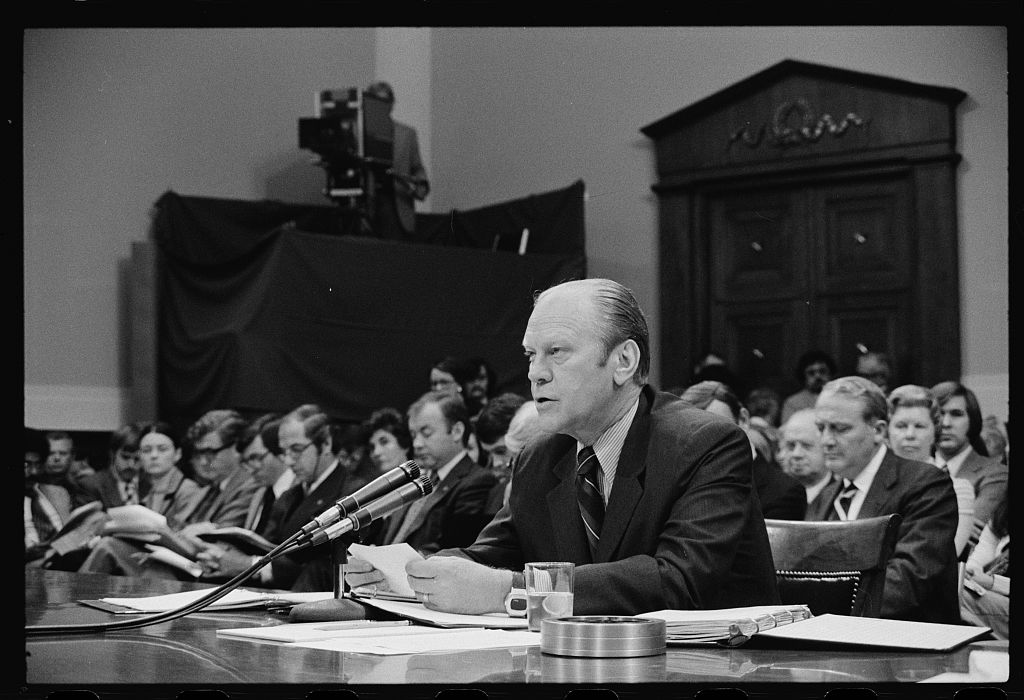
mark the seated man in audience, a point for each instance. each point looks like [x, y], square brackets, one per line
[961, 451]
[780, 495]
[452, 514]
[876, 367]
[664, 516]
[491, 426]
[121, 482]
[813, 369]
[62, 469]
[46, 506]
[228, 492]
[309, 442]
[800, 453]
[921, 576]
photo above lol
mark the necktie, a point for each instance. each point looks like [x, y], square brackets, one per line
[844, 500]
[589, 496]
[264, 511]
[413, 511]
[202, 511]
[131, 496]
[944, 467]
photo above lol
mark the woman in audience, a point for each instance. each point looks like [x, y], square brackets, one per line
[390, 443]
[169, 489]
[985, 597]
[912, 432]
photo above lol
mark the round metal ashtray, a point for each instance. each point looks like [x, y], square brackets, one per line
[602, 636]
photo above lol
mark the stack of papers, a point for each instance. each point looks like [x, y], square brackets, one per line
[238, 599]
[845, 630]
[731, 626]
[417, 613]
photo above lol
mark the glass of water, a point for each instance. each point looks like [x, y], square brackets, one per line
[549, 588]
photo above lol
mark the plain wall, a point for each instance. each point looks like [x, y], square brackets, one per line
[115, 117]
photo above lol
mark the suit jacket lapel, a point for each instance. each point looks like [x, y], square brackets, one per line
[626, 490]
[451, 479]
[564, 510]
[878, 493]
[819, 508]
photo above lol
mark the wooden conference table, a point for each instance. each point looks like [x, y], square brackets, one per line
[187, 654]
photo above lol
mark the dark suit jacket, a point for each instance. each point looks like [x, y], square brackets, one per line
[103, 486]
[682, 528]
[407, 164]
[988, 476]
[308, 569]
[921, 577]
[451, 515]
[781, 495]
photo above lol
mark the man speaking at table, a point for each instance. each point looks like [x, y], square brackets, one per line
[660, 512]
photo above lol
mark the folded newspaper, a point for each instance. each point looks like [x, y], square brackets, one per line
[728, 626]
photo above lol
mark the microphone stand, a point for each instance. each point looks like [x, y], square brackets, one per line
[338, 608]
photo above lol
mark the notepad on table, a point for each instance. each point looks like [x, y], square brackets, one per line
[845, 630]
[730, 626]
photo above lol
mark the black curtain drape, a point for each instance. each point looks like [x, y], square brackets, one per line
[259, 314]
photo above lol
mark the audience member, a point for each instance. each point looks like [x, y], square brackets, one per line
[46, 505]
[451, 515]
[390, 442]
[267, 468]
[119, 484]
[876, 367]
[491, 427]
[813, 370]
[994, 437]
[985, 597]
[522, 429]
[764, 405]
[455, 375]
[780, 495]
[682, 530]
[62, 469]
[481, 388]
[169, 491]
[912, 431]
[800, 453]
[35, 453]
[921, 576]
[961, 451]
[308, 439]
[394, 215]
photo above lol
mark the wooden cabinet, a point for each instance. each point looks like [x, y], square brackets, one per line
[810, 207]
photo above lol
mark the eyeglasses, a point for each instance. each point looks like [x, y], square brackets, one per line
[296, 450]
[254, 459]
[209, 453]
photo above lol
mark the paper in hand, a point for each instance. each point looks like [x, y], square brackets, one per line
[390, 560]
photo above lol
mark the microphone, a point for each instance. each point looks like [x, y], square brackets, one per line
[403, 473]
[374, 511]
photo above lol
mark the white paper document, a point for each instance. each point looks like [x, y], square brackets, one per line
[238, 598]
[437, 641]
[390, 560]
[418, 613]
[313, 631]
[877, 632]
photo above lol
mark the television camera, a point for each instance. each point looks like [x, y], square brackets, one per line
[353, 135]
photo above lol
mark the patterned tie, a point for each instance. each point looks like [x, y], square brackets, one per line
[131, 495]
[589, 496]
[844, 500]
[413, 511]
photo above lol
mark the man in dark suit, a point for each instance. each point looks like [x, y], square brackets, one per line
[921, 576]
[664, 516]
[119, 484]
[405, 181]
[451, 515]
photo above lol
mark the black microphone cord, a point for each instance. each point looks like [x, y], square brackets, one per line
[213, 596]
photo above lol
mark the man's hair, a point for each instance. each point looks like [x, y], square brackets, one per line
[813, 357]
[60, 435]
[453, 408]
[861, 389]
[702, 394]
[382, 90]
[461, 370]
[765, 402]
[268, 433]
[316, 424]
[255, 430]
[390, 420]
[226, 422]
[621, 319]
[916, 396]
[944, 391]
[495, 417]
[125, 438]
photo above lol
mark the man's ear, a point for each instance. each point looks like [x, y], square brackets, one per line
[880, 431]
[744, 420]
[458, 429]
[627, 361]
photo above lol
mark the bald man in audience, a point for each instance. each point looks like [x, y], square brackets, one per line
[800, 453]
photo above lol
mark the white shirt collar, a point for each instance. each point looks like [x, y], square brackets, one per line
[441, 473]
[283, 483]
[608, 448]
[956, 461]
[320, 479]
[864, 479]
